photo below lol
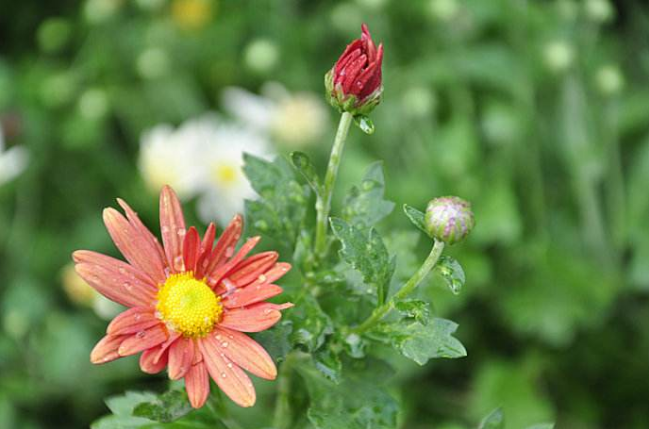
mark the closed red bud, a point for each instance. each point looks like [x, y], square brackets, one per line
[354, 84]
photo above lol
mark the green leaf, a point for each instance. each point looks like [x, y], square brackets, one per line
[281, 208]
[305, 167]
[422, 342]
[311, 325]
[329, 364]
[276, 340]
[366, 253]
[452, 273]
[353, 404]
[365, 206]
[415, 309]
[495, 420]
[167, 407]
[416, 217]
[365, 124]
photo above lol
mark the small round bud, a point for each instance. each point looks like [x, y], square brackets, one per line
[449, 219]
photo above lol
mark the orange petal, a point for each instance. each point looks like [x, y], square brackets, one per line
[136, 247]
[137, 224]
[116, 280]
[215, 276]
[228, 376]
[250, 269]
[143, 340]
[256, 318]
[133, 320]
[106, 349]
[181, 356]
[152, 361]
[197, 385]
[225, 246]
[251, 295]
[245, 352]
[172, 228]
[191, 249]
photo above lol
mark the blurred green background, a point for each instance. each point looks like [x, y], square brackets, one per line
[536, 111]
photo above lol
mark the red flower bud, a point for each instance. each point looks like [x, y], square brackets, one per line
[354, 84]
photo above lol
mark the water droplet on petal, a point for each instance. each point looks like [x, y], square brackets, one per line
[230, 365]
[229, 252]
[223, 375]
[141, 334]
[262, 278]
[164, 229]
[224, 344]
[181, 232]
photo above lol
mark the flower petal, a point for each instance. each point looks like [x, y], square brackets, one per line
[143, 340]
[134, 219]
[228, 376]
[256, 318]
[205, 252]
[181, 356]
[136, 248]
[251, 295]
[225, 245]
[191, 249]
[250, 269]
[132, 320]
[215, 276]
[152, 361]
[172, 228]
[116, 280]
[245, 352]
[197, 385]
[106, 349]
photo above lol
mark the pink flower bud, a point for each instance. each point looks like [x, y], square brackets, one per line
[354, 84]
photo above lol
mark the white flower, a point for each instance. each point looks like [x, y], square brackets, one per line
[204, 158]
[225, 186]
[12, 161]
[169, 156]
[293, 120]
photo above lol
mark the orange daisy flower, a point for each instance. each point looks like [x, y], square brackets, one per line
[190, 301]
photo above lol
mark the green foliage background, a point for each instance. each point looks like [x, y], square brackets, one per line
[479, 102]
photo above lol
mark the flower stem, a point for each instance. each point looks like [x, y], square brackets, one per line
[282, 418]
[410, 285]
[323, 203]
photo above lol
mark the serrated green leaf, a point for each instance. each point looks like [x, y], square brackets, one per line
[452, 273]
[354, 404]
[281, 208]
[422, 342]
[276, 340]
[364, 205]
[416, 217]
[311, 325]
[495, 420]
[415, 309]
[165, 408]
[305, 167]
[329, 365]
[366, 253]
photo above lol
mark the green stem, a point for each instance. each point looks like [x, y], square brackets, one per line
[282, 418]
[380, 312]
[323, 203]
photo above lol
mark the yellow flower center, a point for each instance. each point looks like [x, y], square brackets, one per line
[188, 306]
[225, 173]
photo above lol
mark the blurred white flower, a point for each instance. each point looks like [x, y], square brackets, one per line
[224, 184]
[83, 295]
[203, 157]
[12, 161]
[293, 120]
[169, 156]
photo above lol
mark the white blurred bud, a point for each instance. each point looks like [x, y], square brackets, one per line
[98, 11]
[609, 80]
[153, 63]
[93, 104]
[600, 11]
[558, 55]
[299, 119]
[261, 55]
[444, 10]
